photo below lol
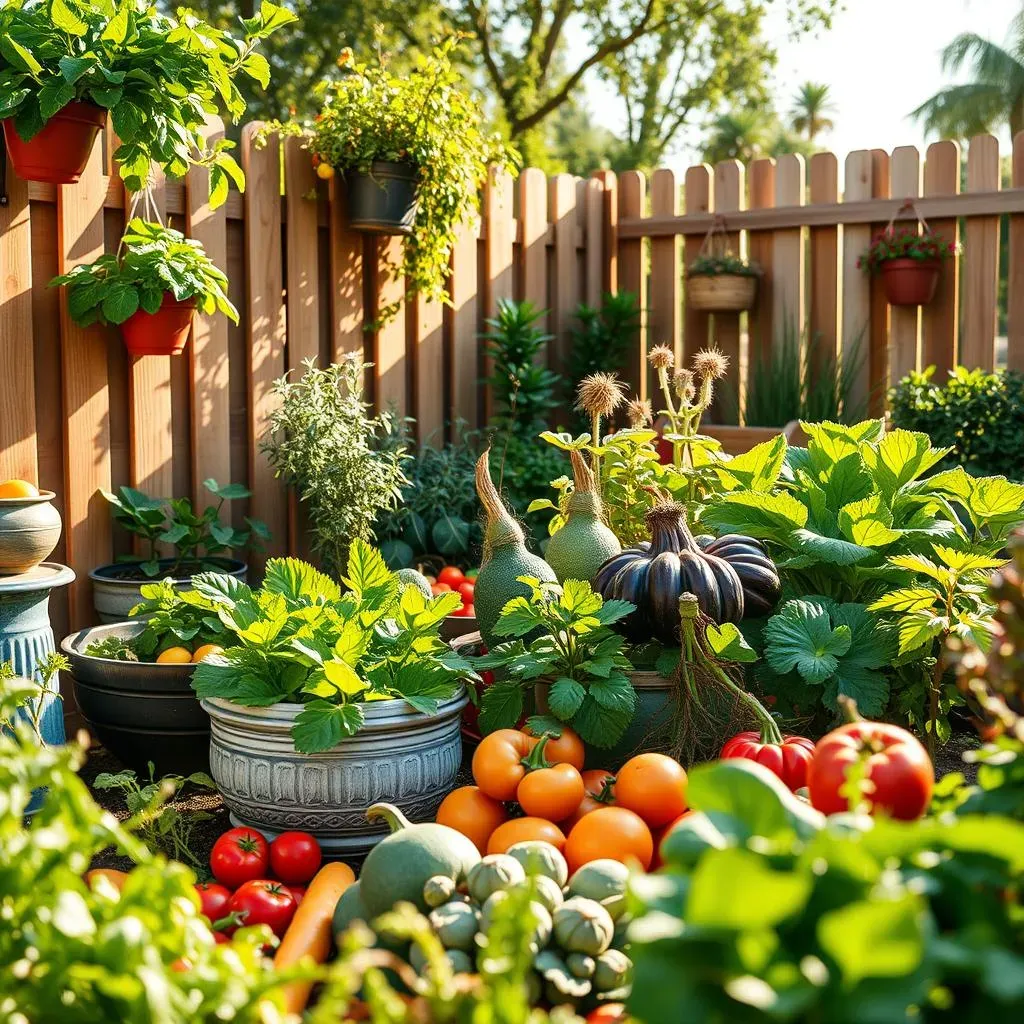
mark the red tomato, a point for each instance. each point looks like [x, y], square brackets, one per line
[295, 857]
[466, 590]
[221, 938]
[451, 575]
[298, 893]
[609, 1013]
[238, 856]
[264, 902]
[789, 761]
[898, 774]
[440, 588]
[214, 899]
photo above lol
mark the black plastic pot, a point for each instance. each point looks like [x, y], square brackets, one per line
[383, 201]
[140, 712]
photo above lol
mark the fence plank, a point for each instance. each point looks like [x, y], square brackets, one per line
[426, 347]
[824, 297]
[981, 284]
[699, 198]
[86, 392]
[939, 321]
[388, 340]
[533, 253]
[348, 304]
[665, 314]
[730, 196]
[564, 297]
[632, 277]
[788, 250]
[594, 262]
[761, 249]
[1015, 282]
[856, 320]
[18, 455]
[904, 329]
[878, 349]
[464, 316]
[609, 231]
[208, 351]
[302, 268]
[267, 327]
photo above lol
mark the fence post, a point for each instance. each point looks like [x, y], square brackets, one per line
[632, 275]
[665, 313]
[730, 197]
[824, 314]
[904, 322]
[761, 249]
[939, 319]
[1015, 282]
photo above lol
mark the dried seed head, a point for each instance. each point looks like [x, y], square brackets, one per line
[710, 362]
[682, 381]
[600, 394]
[661, 357]
[639, 412]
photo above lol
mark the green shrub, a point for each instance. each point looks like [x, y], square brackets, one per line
[603, 338]
[979, 414]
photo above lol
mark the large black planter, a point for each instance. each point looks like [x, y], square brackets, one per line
[140, 712]
[383, 201]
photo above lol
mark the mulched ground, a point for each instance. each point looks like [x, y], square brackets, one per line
[205, 833]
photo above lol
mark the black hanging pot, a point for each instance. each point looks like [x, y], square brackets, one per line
[383, 201]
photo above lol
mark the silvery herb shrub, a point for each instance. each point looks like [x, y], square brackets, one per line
[300, 638]
[158, 76]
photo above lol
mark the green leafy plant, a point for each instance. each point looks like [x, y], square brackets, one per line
[177, 618]
[161, 826]
[766, 911]
[324, 446]
[726, 263]
[905, 244]
[562, 637]
[152, 260]
[604, 335]
[116, 648]
[158, 76]
[38, 690]
[979, 415]
[300, 639]
[197, 539]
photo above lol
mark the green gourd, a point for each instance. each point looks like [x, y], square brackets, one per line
[349, 908]
[414, 578]
[505, 558]
[584, 543]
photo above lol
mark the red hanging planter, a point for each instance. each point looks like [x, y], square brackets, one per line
[163, 333]
[59, 153]
[910, 282]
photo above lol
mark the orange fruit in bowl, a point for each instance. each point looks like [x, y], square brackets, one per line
[201, 652]
[18, 489]
[174, 656]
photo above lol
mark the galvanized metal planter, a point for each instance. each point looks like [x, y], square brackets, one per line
[400, 756]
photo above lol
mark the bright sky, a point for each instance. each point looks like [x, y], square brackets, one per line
[860, 59]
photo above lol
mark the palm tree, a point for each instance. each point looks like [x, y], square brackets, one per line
[810, 106]
[993, 97]
[741, 135]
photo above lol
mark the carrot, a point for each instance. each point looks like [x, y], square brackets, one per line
[309, 934]
[116, 878]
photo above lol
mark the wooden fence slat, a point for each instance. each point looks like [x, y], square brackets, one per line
[760, 249]
[208, 350]
[18, 455]
[939, 320]
[856, 284]
[565, 296]
[348, 303]
[388, 340]
[699, 198]
[824, 271]
[426, 347]
[499, 277]
[533, 253]
[730, 196]
[594, 261]
[878, 349]
[609, 231]
[788, 251]
[86, 393]
[302, 275]
[632, 277]
[904, 321]
[665, 314]
[981, 283]
[465, 361]
[267, 327]
[1015, 282]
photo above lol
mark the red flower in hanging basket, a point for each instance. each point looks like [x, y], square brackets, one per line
[905, 244]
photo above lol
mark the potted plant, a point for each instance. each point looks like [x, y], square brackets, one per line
[909, 261]
[415, 153]
[199, 541]
[132, 680]
[331, 701]
[721, 283]
[66, 64]
[150, 289]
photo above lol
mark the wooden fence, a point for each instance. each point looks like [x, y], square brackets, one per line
[78, 414]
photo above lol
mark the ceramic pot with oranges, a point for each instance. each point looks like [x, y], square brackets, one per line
[29, 526]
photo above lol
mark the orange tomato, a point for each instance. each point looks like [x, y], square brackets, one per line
[18, 489]
[566, 749]
[522, 830]
[653, 786]
[324, 171]
[439, 588]
[201, 652]
[473, 813]
[599, 786]
[497, 762]
[174, 656]
[612, 832]
[551, 793]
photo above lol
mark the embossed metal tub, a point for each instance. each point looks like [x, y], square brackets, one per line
[400, 756]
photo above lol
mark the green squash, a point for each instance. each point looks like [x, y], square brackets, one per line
[583, 926]
[584, 543]
[613, 971]
[456, 925]
[400, 865]
[349, 908]
[495, 872]
[539, 858]
[605, 881]
[548, 891]
[438, 890]
[505, 558]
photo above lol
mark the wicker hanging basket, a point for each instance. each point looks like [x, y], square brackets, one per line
[719, 291]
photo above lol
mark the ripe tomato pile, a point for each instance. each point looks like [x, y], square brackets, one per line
[451, 578]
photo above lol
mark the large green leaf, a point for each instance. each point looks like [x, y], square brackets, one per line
[801, 637]
[565, 697]
[321, 725]
[727, 643]
[831, 550]
[298, 581]
[765, 516]
[900, 457]
[369, 577]
[501, 706]
[756, 469]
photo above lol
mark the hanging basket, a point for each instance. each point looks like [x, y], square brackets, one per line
[717, 281]
[909, 282]
[383, 202]
[59, 153]
[163, 333]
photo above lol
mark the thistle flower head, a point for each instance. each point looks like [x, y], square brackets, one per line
[661, 357]
[711, 362]
[600, 394]
[682, 382]
[639, 412]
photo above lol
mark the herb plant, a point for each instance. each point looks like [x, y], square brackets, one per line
[158, 76]
[725, 263]
[197, 539]
[905, 244]
[324, 446]
[562, 637]
[151, 261]
[38, 691]
[300, 639]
